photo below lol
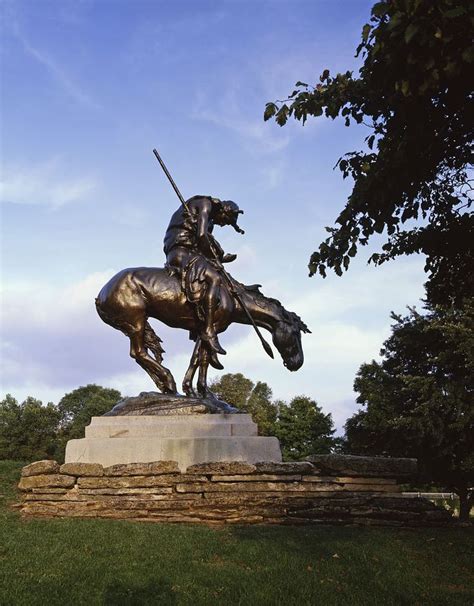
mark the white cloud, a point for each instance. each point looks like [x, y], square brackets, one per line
[56, 72]
[53, 341]
[227, 111]
[349, 318]
[43, 184]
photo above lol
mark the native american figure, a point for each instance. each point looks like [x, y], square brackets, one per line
[194, 292]
[192, 250]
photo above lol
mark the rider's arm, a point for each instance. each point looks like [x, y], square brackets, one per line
[208, 245]
[204, 237]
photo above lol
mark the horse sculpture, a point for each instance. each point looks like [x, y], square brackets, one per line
[136, 294]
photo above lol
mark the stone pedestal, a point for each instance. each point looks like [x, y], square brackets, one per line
[187, 439]
[230, 493]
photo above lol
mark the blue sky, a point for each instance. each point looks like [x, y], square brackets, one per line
[89, 87]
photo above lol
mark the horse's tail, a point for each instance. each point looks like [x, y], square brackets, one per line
[153, 343]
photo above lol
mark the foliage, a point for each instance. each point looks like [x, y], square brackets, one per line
[303, 429]
[419, 400]
[28, 430]
[414, 91]
[109, 562]
[78, 406]
[263, 410]
[234, 389]
[301, 426]
[254, 399]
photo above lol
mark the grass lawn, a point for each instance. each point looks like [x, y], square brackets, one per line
[73, 562]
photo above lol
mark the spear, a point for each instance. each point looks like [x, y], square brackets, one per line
[222, 269]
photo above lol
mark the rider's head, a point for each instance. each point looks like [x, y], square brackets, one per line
[226, 212]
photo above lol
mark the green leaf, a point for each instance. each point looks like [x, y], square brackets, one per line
[324, 75]
[270, 110]
[411, 31]
[378, 226]
[352, 251]
[380, 9]
[299, 83]
[365, 32]
[282, 114]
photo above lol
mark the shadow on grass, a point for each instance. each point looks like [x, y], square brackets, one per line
[157, 591]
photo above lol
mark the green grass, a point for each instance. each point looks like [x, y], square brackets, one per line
[74, 562]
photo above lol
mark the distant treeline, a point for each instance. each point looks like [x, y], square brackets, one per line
[31, 430]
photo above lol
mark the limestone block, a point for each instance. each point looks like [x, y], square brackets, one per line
[33, 496]
[349, 480]
[49, 490]
[82, 469]
[364, 466]
[250, 487]
[297, 467]
[46, 480]
[142, 469]
[188, 426]
[186, 451]
[124, 482]
[222, 467]
[246, 520]
[138, 481]
[157, 491]
[40, 467]
[273, 495]
[261, 477]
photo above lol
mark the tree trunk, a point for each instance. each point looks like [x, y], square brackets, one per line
[465, 504]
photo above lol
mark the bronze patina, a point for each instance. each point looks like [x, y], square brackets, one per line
[194, 292]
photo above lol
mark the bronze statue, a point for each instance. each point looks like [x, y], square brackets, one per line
[194, 292]
[192, 251]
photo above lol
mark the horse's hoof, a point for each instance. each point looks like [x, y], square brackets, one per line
[214, 360]
[189, 392]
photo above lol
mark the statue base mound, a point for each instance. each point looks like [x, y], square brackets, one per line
[330, 490]
[155, 403]
[187, 439]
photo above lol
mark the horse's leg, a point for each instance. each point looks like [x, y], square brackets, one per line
[193, 365]
[160, 375]
[204, 361]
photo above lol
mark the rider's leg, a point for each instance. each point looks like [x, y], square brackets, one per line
[210, 304]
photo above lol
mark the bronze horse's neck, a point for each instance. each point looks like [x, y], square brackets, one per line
[266, 312]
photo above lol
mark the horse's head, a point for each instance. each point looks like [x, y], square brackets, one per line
[287, 339]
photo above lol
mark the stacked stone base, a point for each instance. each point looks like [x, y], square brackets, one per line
[220, 493]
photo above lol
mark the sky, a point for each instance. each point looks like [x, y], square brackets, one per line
[89, 88]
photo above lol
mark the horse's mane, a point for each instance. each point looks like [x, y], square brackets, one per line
[262, 301]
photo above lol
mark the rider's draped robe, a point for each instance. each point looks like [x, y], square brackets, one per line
[182, 232]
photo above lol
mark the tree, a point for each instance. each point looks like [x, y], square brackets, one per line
[255, 399]
[303, 429]
[77, 407]
[28, 430]
[418, 401]
[414, 92]
[263, 410]
[234, 389]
